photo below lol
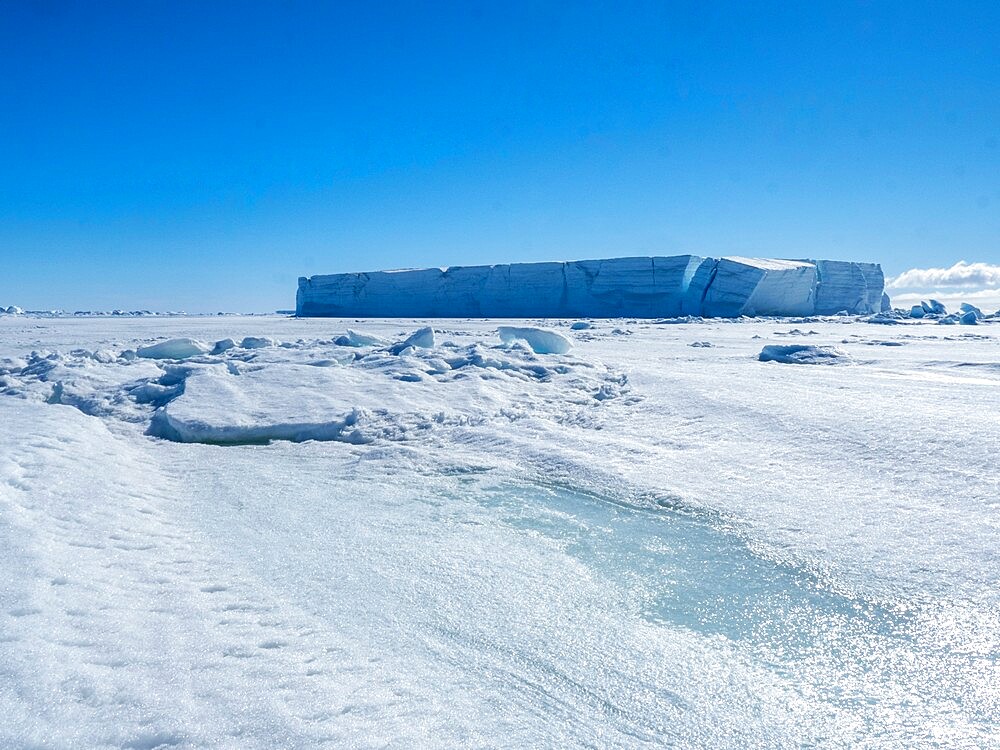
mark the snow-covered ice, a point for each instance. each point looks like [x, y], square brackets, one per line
[650, 539]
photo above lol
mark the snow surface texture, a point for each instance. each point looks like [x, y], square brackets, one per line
[637, 543]
[649, 287]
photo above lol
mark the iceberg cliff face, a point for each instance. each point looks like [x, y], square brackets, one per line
[854, 287]
[731, 287]
[643, 287]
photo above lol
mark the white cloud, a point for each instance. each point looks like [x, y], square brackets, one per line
[962, 275]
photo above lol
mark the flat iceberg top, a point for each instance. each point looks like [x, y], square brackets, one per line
[769, 264]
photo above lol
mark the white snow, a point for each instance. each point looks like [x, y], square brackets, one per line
[541, 340]
[638, 543]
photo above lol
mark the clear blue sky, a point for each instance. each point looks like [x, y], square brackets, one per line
[201, 156]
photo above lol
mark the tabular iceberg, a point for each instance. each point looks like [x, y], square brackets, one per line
[649, 287]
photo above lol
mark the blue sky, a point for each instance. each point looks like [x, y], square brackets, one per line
[201, 156]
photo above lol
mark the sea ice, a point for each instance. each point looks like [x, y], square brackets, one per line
[640, 544]
[255, 407]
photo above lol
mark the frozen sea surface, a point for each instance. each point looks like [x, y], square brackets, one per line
[651, 539]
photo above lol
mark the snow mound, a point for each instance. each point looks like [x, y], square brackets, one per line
[181, 348]
[803, 354]
[541, 340]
